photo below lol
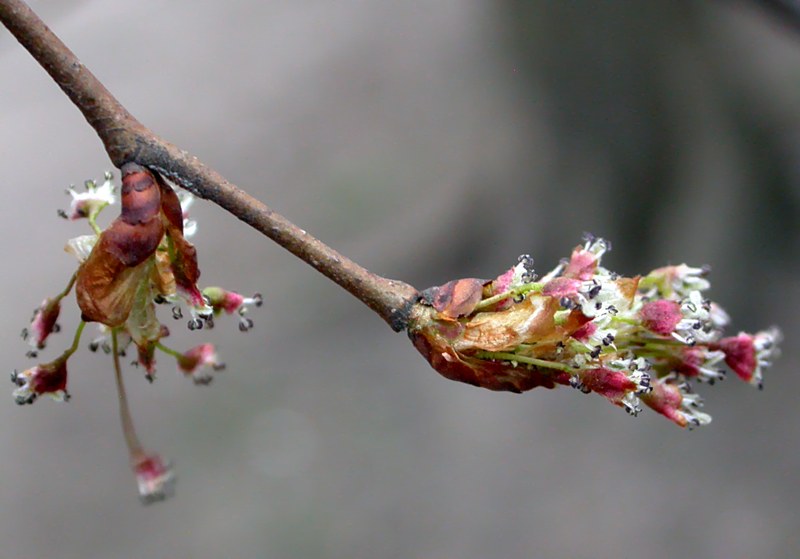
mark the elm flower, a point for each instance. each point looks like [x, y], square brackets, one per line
[155, 478]
[48, 378]
[197, 361]
[125, 272]
[231, 302]
[637, 341]
[746, 354]
[43, 323]
[89, 203]
[674, 400]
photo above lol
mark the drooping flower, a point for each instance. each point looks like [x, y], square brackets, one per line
[635, 341]
[197, 361]
[141, 260]
[48, 378]
[90, 202]
[43, 323]
[155, 478]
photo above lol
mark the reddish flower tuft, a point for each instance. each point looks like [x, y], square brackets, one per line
[630, 339]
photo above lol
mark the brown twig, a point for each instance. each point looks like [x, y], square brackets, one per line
[127, 140]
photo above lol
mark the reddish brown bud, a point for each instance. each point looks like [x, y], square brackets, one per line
[457, 298]
[486, 374]
[107, 280]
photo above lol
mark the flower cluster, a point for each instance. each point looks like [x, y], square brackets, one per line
[140, 261]
[636, 341]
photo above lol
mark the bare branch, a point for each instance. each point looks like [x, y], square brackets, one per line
[127, 140]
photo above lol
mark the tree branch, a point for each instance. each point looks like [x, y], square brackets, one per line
[127, 140]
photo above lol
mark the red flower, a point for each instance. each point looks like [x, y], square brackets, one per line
[49, 378]
[746, 353]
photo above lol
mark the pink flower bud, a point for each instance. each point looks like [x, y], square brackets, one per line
[746, 353]
[661, 316]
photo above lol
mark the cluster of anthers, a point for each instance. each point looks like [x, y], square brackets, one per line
[141, 260]
[636, 341]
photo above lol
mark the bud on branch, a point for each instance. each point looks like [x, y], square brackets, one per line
[636, 341]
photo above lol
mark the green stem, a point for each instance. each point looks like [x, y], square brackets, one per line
[169, 350]
[68, 288]
[503, 356]
[93, 219]
[521, 290]
[76, 340]
[131, 439]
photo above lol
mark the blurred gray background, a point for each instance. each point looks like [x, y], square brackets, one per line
[427, 140]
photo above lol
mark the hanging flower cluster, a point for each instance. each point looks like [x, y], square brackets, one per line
[142, 260]
[635, 341]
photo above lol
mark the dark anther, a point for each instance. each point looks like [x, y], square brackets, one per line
[31, 354]
[594, 291]
[608, 340]
[106, 348]
[219, 366]
[56, 328]
[62, 214]
[177, 313]
[94, 346]
[705, 270]
[159, 299]
[195, 324]
[258, 299]
[596, 352]
[25, 334]
[16, 379]
[566, 302]
[210, 322]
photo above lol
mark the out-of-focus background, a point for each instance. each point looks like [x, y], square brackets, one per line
[427, 140]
